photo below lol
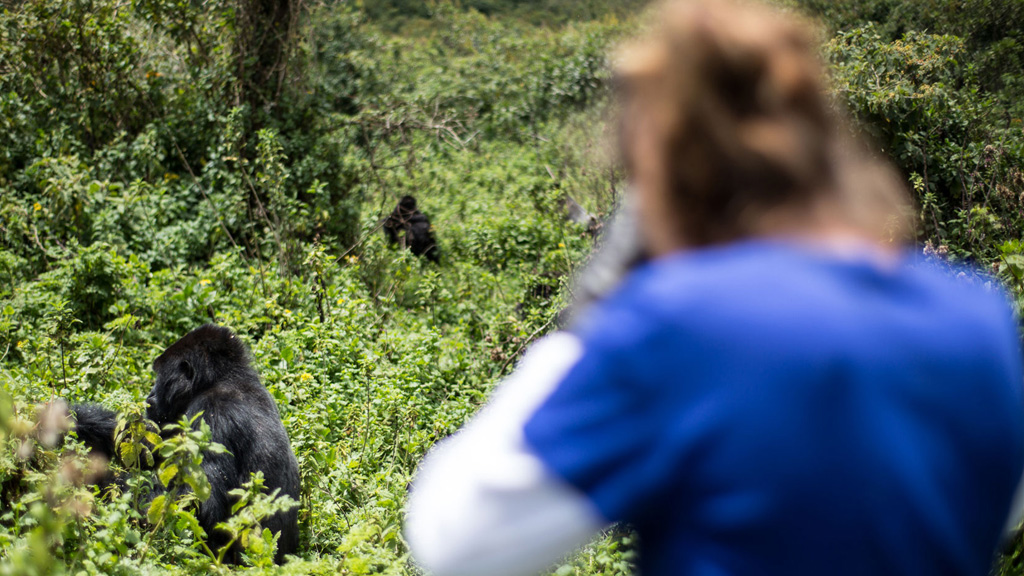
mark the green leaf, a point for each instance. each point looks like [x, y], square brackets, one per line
[200, 487]
[167, 474]
[156, 509]
[187, 520]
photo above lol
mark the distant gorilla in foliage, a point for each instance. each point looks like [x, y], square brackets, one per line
[415, 225]
[209, 371]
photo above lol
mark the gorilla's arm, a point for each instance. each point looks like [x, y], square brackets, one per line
[391, 230]
[221, 469]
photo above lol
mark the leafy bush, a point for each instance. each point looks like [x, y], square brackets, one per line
[929, 114]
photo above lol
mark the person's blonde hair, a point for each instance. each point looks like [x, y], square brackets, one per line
[737, 92]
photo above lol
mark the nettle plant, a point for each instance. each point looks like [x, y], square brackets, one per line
[56, 520]
[185, 484]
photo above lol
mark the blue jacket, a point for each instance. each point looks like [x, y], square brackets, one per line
[763, 408]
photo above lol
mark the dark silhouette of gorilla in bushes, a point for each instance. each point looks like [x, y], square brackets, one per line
[209, 371]
[414, 226]
[95, 426]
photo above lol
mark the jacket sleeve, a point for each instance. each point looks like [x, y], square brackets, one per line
[482, 502]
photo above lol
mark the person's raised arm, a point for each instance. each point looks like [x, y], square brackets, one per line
[483, 502]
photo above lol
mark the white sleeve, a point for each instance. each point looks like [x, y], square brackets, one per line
[482, 502]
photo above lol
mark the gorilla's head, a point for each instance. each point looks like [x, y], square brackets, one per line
[407, 203]
[191, 366]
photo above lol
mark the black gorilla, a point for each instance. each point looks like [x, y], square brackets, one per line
[209, 371]
[418, 236]
[94, 426]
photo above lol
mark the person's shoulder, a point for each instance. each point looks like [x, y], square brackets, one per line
[701, 283]
[765, 287]
[695, 285]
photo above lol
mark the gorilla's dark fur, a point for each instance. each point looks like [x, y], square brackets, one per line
[209, 371]
[94, 426]
[418, 237]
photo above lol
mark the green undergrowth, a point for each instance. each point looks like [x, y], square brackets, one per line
[371, 354]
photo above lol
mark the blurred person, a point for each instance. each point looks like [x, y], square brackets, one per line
[780, 388]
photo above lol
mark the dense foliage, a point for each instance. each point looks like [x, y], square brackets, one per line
[163, 165]
[410, 15]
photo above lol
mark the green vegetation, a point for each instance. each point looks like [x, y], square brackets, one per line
[411, 15]
[165, 164]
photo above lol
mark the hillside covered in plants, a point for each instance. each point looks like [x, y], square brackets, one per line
[168, 164]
